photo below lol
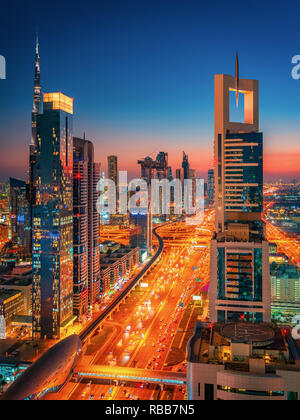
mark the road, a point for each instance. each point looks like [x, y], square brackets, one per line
[156, 320]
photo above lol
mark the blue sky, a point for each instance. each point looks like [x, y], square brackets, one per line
[141, 73]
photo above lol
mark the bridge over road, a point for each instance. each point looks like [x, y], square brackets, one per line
[129, 374]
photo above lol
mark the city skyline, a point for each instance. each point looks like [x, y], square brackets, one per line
[133, 93]
[123, 275]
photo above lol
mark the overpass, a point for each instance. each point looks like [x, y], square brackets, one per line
[128, 374]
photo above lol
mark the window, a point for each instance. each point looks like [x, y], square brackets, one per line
[292, 396]
[209, 392]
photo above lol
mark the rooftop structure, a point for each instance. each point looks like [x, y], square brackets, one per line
[242, 361]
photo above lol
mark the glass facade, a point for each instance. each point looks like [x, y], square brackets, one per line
[243, 155]
[86, 226]
[52, 247]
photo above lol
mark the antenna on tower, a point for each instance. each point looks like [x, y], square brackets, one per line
[237, 81]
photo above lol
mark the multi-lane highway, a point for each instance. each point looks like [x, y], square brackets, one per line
[151, 327]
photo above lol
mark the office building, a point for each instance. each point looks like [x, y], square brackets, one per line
[242, 361]
[52, 248]
[86, 233]
[185, 166]
[11, 303]
[112, 163]
[211, 187]
[141, 231]
[117, 262]
[239, 274]
[20, 215]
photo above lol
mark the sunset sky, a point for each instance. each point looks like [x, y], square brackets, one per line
[141, 74]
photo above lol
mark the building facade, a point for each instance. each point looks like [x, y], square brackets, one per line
[20, 215]
[86, 174]
[52, 248]
[112, 163]
[211, 187]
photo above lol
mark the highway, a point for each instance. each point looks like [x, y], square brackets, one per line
[85, 334]
[149, 330]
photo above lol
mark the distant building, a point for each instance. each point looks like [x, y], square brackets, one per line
[112, 162]
[20, 278]
[285, 288]
[20, 215]
[52, 249]
[141, 231]
[211, 187]
[117, 261]
[11, 303]
[185, 166]
[242, 361]
[86, 229]
[5, 220]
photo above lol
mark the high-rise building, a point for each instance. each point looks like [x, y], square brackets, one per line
[141, 231]
[211, 187]
[154, 169]
[86, 174]
[20, 215]
[240, 275]
[185, 165]
[52, 248]
[112, 162]
[5, 219]
[36, 110]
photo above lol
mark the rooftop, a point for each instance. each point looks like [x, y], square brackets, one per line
[235, 345]
[7, 294]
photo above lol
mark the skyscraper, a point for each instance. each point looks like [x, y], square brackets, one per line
[52, 252]
[86, 174]
[211, 187]
[185, 165]
[36, 110]
[112, 162]
[141, 231]
[240, 277]
[20, 215]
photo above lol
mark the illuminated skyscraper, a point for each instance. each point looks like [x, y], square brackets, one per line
[86, 234]
[185, 165]
[141, 231]
[240, 277]
[20, 215]
[52, 247]
[36, 110]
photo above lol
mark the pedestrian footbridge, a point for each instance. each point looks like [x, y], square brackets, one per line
[130, 374]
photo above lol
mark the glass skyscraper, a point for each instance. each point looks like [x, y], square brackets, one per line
[52, 248]
[86, 174]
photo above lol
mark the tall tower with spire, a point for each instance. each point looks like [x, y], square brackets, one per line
[37, 109]
[240, 286]
[37, 94]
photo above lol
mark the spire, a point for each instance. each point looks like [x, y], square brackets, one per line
[37, 43]
[237, 81]
[37, 94]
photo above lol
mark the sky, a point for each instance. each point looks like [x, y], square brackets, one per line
[141, 75]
